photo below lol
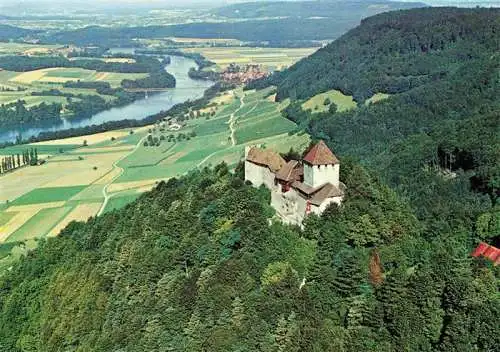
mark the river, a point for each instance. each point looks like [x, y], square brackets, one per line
[186, 88]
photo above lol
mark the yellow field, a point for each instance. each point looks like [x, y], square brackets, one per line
[31, 76]
[57, 173]
[34, 207]
[82, 172]
[109, 177]
[27, 49]
[92, 139]
[101, 76]
[81, 213]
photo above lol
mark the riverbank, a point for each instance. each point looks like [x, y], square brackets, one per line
[138, 113]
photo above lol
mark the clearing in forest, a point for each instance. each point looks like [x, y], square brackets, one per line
[321, 102]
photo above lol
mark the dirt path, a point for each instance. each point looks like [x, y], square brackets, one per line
[232, 121]
[115, 166]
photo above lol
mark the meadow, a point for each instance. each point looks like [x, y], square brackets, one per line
[317, 103]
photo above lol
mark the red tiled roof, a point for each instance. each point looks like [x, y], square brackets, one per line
[487, 251]
[481, 248]
[320, 154]
[266, 157]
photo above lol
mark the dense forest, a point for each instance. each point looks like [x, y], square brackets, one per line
[20, 63]
[395, 52]
[195, 264]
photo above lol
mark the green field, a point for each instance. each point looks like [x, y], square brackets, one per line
[47, 195]
[76, 73]
[116, 203]
[40, 224]
[317, 103]
[256, 120]
[147, 156]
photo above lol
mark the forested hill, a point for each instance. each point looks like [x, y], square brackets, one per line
[396, 51]
[439, 125]
[334, 9]
[195, 266]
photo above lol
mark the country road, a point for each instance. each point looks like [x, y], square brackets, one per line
[115, 165]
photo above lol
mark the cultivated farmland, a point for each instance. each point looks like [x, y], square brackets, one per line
[116, 167]
[16, 86]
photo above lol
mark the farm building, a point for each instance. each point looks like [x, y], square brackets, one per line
[298, 188]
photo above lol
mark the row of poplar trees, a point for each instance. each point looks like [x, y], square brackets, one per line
[12, 162]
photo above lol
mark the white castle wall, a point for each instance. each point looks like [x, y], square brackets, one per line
[316, 176]
[259, 175]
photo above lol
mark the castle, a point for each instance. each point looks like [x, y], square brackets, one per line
[298, 188]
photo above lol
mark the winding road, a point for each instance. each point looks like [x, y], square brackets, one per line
[115, 166]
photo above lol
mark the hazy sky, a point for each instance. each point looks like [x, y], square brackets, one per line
[69, 5]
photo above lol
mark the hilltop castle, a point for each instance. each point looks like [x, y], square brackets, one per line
[298, 188]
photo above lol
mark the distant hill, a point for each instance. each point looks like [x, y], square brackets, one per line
[275, 31]
[303, 21]
[337, 9]
[12, 33]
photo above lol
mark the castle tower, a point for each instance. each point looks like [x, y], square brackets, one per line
[321, 166]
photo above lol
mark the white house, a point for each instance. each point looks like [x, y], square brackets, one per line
[298, 188]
